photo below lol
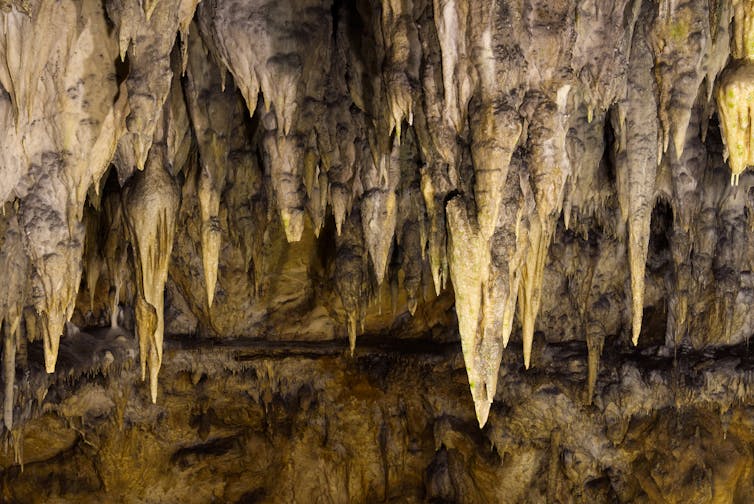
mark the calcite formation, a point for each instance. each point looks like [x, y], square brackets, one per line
[538, 184]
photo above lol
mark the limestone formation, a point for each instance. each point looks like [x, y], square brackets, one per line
[313, 207]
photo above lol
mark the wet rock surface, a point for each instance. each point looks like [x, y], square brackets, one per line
[253, 420]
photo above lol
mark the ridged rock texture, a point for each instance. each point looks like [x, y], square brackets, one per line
[262, 250]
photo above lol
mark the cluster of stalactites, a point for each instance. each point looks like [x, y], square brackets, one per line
[436, 119]
[64, 118]
[60, 115]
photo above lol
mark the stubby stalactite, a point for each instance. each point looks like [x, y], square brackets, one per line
[734, 94]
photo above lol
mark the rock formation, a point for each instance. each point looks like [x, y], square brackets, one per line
[321, 223]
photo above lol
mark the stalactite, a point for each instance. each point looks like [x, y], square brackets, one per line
[686, 176]
[435, 187]
[339, 139]
[411, 265]
[401, 62]
[469, 259]
[508, 248]
[14, 270]
[150, 205]
[734, 93]
[450, 19]
[637, 167]
[734, 104]
[10, 335]
[680, 43]
[530, 288]
[316, 184]
[595, 342]
[210, 107]
[590, 189]
[116, 254]
[17, 437]
[549, 166]
[379, 208]
[349, 276]
[285, 159]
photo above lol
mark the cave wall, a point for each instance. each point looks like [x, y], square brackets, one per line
[241, 191]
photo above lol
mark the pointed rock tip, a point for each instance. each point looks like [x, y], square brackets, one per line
[482, 408]
[351, 333]
[379, 263]
[154, 371]
[636, 329]
[51, 357]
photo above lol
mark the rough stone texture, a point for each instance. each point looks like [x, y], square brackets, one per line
[320, 221]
